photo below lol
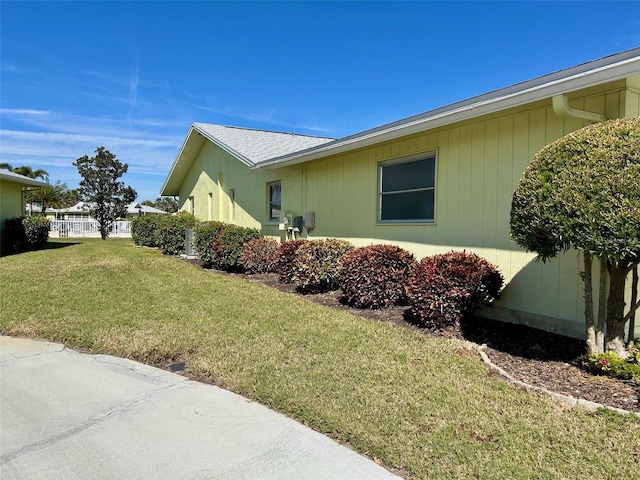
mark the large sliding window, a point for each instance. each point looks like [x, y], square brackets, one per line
[407, 190]
[275, 201]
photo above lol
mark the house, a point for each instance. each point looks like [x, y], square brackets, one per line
[12, 189]
[80, 212]
[430, 183]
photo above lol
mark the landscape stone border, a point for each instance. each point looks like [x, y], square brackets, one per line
[568, 401]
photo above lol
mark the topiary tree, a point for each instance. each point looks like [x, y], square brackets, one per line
[583, 191]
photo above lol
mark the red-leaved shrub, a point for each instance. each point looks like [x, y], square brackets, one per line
[375, 276]
[260, 255]
[443, 288]
[286, 255]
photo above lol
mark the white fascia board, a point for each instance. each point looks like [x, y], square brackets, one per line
[176, 161]
[579, 81]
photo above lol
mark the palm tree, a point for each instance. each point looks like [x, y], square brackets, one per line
[53, 196]
[29, 172]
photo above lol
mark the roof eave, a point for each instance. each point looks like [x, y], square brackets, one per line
[605, 74]
[171, 185]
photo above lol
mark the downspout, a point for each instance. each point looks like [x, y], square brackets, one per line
[562, 109]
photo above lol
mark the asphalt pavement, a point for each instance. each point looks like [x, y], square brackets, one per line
[68, 415]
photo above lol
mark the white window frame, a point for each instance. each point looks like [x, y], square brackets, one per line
[396, 161]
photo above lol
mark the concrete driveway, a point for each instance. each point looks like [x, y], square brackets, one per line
[68, 415]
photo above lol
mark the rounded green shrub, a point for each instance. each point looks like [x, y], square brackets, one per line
[286, 256]
[36, 230]
[204, 241]
[443, 288]
[228, 245]
[171, 234]
[21, 234]
[144, 230]
[260, 255]
[375, 276]
[316, 266]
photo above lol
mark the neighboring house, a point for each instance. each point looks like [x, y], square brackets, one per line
[430, 183]
[80, 212]
[12, 190]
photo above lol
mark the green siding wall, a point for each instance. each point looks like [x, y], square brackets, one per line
[479, 164]
[215, 173]
[11, 201]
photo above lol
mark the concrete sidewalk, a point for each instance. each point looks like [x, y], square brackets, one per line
[67, 415]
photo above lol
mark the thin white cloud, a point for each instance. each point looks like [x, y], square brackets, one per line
[24, 111]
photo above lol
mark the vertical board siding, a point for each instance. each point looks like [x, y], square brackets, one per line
[479, 165]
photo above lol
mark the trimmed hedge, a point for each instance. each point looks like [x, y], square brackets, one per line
[229, 244]
[21, 234]
[145, 230]
[172, 230]
[316, 267]
[260, 255]
[443, 288]
[375, 276]
[204, 239]
[286, 257]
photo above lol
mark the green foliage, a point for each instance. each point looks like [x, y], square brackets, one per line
[167, 204]
[229, 244]
[171, 235]
[204, 240]
[21, 234]
[260, 255]
[316, 266]
[611, 365]
[145, 230]
[53, 196]
[108, 198]
[375, 276]
[286, 256]
[14, 239]
[36, 230]
[443, 288]
[582, 191]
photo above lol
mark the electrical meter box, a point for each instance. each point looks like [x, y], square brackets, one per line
[298, 223]
[310, 220]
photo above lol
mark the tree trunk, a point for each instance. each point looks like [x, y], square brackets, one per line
[587, 279]
[634, 301]
[615, 311]
[602, 306]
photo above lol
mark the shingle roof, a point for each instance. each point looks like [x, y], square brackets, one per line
[252, 147]
[255, 146]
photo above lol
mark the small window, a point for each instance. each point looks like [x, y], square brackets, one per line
[407, 190]
[192, 205]
[275, 201]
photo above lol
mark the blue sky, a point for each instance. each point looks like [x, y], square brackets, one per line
[132, 76]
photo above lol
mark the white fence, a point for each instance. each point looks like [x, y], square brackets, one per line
[76, 229]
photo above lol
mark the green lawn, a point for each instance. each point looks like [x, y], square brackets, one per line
[423, 405]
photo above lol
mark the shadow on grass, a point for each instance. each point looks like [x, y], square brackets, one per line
[56, 245]
[48, 246]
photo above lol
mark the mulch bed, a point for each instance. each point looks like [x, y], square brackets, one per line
[538, 358]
